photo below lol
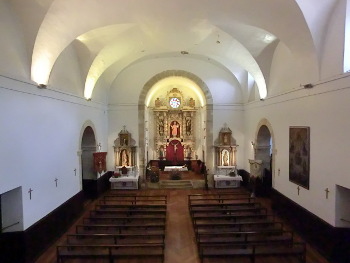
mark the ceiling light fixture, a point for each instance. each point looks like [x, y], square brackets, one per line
[42, 86]
[218, 41]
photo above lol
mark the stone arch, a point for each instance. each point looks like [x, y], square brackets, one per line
[208, 107]
[176, 73]
[265, 144]
[87, 144]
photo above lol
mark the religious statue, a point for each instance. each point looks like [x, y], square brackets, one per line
[225, 158]
[189, 152]
[174, 129]
[192, 102]
[161, 127]
[161, 152]
[124, 158]
[157, 103]
[188, 126]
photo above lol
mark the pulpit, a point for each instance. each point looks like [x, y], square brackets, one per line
[255, 174]
[100, 162]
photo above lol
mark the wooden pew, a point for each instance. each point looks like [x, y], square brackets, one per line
[226, 212]
[135, 199]
[219, 197]
[137, 219]
[253, 251]
[204, 202]
[124, 207]
[110, 252]
[129, 226]
[198, 207]
[236, 226]
[152, 228]
[130, 213]
[116, 239]
[197, 219]
[127, 214]
[245, 237]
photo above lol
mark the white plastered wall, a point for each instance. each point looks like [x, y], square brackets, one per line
[40, 142]
[324, 109]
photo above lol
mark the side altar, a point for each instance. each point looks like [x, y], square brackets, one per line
[126, 174]
[225, 153]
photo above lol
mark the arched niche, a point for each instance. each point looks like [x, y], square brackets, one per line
[264, 149]
[206, 117]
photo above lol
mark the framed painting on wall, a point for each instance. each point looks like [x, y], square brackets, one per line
[299, 156]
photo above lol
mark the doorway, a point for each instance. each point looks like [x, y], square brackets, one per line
[89, 176]
[263, 152]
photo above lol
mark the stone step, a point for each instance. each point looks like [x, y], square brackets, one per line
[176, 184]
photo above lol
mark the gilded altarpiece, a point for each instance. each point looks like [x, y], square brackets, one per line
[124, 150]
[174, 118]
[225, 151]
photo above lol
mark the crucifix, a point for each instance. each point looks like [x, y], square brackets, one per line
[327, 191]
[30, 193]
[56, 181]
[298, 189]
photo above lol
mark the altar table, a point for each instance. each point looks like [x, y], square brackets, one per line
[125, 182]
[226, 181]
[175, 168]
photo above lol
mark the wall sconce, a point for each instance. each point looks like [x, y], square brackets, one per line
[308, 86]
[42, 86]
[253, 143]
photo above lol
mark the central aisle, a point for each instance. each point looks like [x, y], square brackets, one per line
[180, 240]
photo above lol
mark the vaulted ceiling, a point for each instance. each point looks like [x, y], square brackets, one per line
[111, 35]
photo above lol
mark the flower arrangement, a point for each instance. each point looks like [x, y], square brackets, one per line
[116, 175]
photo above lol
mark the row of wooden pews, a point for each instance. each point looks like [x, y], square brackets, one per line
[119, 226]
[235, 225]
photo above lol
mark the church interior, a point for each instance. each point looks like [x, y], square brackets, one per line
[136, 96]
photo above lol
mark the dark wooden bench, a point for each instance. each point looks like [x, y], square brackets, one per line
[198, 207]
[135, 199]
[122, 238]
[110, 252]
[253, 250]
[137, 219]
[238, 226]
[130, 207]
[219, 197]
[224, 212]
[197, 219]
[245, 237]
[119, 229]
[206, 201]
[116, 212]
[126, 214]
